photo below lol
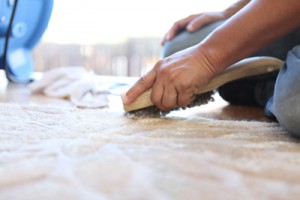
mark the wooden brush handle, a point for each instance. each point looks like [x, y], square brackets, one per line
[244, 68]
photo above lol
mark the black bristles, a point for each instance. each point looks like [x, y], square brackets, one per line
[153, 111]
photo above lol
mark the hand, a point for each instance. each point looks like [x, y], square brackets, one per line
[174, 80]
[193, 23]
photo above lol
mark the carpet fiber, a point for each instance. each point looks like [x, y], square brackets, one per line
[56, 153]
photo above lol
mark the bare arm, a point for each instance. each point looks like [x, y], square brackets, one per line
[195, 22]
[256, 25]
[234, 8]
[175, 79]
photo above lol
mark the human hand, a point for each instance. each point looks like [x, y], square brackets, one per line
[174, 80]
[192, 23]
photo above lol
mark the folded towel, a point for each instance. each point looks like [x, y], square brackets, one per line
[75, 83]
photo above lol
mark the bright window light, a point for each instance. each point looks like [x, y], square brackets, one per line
[113, 21]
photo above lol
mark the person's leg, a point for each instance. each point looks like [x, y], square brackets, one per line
[258, 90]
[285, 103]
[186, 39]
[252, 90]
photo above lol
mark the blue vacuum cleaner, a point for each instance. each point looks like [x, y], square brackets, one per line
[22, 24]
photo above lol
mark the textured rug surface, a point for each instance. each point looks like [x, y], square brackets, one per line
[56, 153]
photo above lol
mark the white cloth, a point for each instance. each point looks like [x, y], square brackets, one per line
[74, 83]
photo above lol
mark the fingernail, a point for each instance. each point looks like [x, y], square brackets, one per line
[125, 100]
[190, 28]
[168, 37]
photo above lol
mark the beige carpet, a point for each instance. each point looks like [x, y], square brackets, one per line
[55, 153]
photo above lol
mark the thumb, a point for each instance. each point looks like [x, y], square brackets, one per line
[143, 84]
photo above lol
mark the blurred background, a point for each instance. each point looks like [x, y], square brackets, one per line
[115, 37]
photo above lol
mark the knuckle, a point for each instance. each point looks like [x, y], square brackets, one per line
[142, 80]
[187, 89]
[191, 16]
[157, 66]
[166, 106]
[175, 25]
[172, 78]
[164, 71]
[184, 86]
[182, 100]
[185, 100]
[154, 100]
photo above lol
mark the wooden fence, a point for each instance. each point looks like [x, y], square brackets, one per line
[131, 58]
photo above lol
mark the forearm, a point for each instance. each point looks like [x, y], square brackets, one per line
[234, 8]
[253, 27]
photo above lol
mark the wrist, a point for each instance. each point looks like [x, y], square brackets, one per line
[211, 58]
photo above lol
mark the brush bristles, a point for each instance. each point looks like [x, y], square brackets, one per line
[153, 111]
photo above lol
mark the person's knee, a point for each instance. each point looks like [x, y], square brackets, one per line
[287, 93]
[286, 98]
[288, 115]
[182, 41]
[186, 39]
[170, 47]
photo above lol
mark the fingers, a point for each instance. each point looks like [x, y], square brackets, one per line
[167, 98]
[197, 23]
[169, 35]
[203, 19]
[177, 26]
[143, 84]
[164, 96]
[184, 99]
[192, 23]
[168, 95]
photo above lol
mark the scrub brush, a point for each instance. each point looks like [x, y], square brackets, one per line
[248, 67]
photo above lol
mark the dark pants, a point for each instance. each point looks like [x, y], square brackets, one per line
[285, 105]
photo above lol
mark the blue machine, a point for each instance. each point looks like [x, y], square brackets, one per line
[22, 24]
